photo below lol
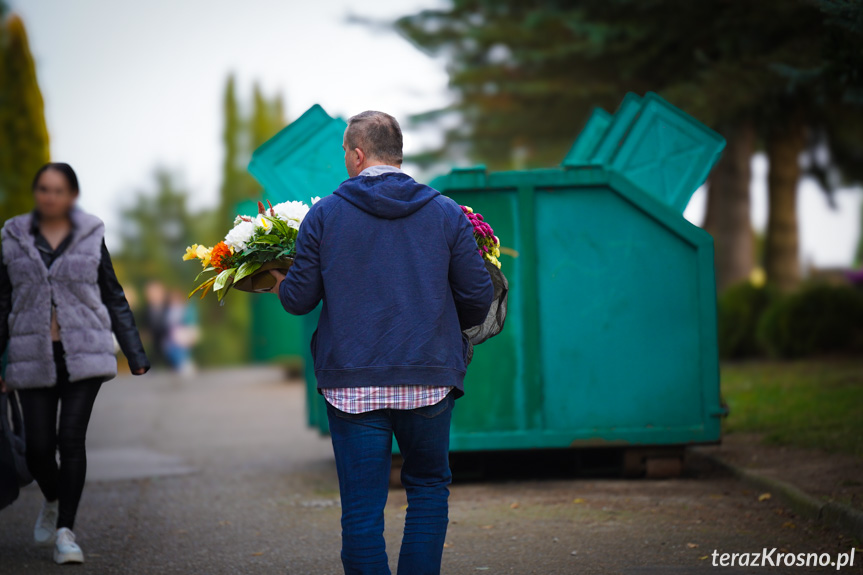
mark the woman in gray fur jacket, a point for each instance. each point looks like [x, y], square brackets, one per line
[60, 302]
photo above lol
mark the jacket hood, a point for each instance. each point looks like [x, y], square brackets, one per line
[390, 196]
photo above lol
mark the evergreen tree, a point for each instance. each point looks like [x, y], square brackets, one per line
[231, 140]
[242, 134]
[23, 133]
[526, 74]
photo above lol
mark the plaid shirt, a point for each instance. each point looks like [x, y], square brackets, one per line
[363, 399]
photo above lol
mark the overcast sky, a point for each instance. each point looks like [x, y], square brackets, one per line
[130, 86]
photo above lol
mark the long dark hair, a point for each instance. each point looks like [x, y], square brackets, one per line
[63, 168]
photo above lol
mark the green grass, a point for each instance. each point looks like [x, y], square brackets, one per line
[807, 403]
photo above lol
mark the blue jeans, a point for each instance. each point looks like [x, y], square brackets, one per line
[363, 447]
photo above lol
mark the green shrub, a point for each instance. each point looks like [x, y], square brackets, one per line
[816, 319]
[739, 309]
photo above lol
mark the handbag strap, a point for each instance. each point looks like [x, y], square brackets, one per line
[9, 406]
[17, 418]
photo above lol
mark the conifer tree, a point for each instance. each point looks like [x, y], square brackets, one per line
[24, 145]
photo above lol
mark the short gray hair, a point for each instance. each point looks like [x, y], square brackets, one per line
[377, 134]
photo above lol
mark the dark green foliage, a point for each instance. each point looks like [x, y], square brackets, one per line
[23, 132]
[155, 232]
[740, 308]
[815, 320]
[858, 256]
[525, 74]
[242, 134]
[232, 170]
[161, 223]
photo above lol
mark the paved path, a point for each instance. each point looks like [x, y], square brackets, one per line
[217, 474]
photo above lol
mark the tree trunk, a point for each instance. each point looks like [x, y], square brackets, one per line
[727, 217]
[785, 142]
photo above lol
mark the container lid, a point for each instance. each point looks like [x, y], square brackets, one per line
[658, 147]
[304, 159]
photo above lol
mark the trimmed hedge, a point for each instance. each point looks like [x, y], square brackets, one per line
[817, 319]
[739, 310]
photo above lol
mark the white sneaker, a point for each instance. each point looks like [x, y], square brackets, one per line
[46, 525]
[66, 550]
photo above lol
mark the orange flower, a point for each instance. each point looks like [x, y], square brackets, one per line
[220, 251]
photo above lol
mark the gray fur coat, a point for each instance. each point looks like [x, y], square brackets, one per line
[72, 284]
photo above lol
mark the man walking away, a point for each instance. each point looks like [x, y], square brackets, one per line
[396, 265]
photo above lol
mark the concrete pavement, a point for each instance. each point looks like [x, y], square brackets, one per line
[217, 474]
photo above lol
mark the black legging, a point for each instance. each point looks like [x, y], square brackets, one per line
[44, 436]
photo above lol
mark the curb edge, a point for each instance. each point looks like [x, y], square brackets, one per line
[838, 515]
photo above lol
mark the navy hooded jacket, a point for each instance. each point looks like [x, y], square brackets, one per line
[396, 265]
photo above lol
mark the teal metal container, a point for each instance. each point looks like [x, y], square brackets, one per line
[610, 339]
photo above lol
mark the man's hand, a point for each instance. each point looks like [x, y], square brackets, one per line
[139, 371]
[279, 277]
[3, 388]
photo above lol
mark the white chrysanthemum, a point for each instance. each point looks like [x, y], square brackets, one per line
[263, 223]
[238, 238]
[315, 200]
[291, 211]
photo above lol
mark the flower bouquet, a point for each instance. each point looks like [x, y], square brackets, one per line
[488, 246]
[267, 241]
[250, 249]
[487, 243]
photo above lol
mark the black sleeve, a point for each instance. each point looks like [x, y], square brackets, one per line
[5, 307]
[122, 320]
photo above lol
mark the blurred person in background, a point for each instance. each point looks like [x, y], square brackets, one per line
[181, 332]
[156, 301]
[60, 303]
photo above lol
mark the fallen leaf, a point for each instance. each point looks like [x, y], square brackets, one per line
[257, 554]
[578, 500]
[703, 557]
[764, 497]
[404, 507]
[692, 545]
[487, 527]
[447, 545]
[789, 525]
[514, 505]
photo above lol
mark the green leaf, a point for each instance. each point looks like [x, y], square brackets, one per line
[209, 269]
[247, 269]
[281, 227]
[268, 239]
[206, 290]
[222, 279]
[206, 285]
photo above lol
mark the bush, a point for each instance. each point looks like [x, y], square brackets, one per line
[816, 319]
[739, 310]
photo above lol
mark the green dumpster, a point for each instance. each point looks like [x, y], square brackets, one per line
[610, 338]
